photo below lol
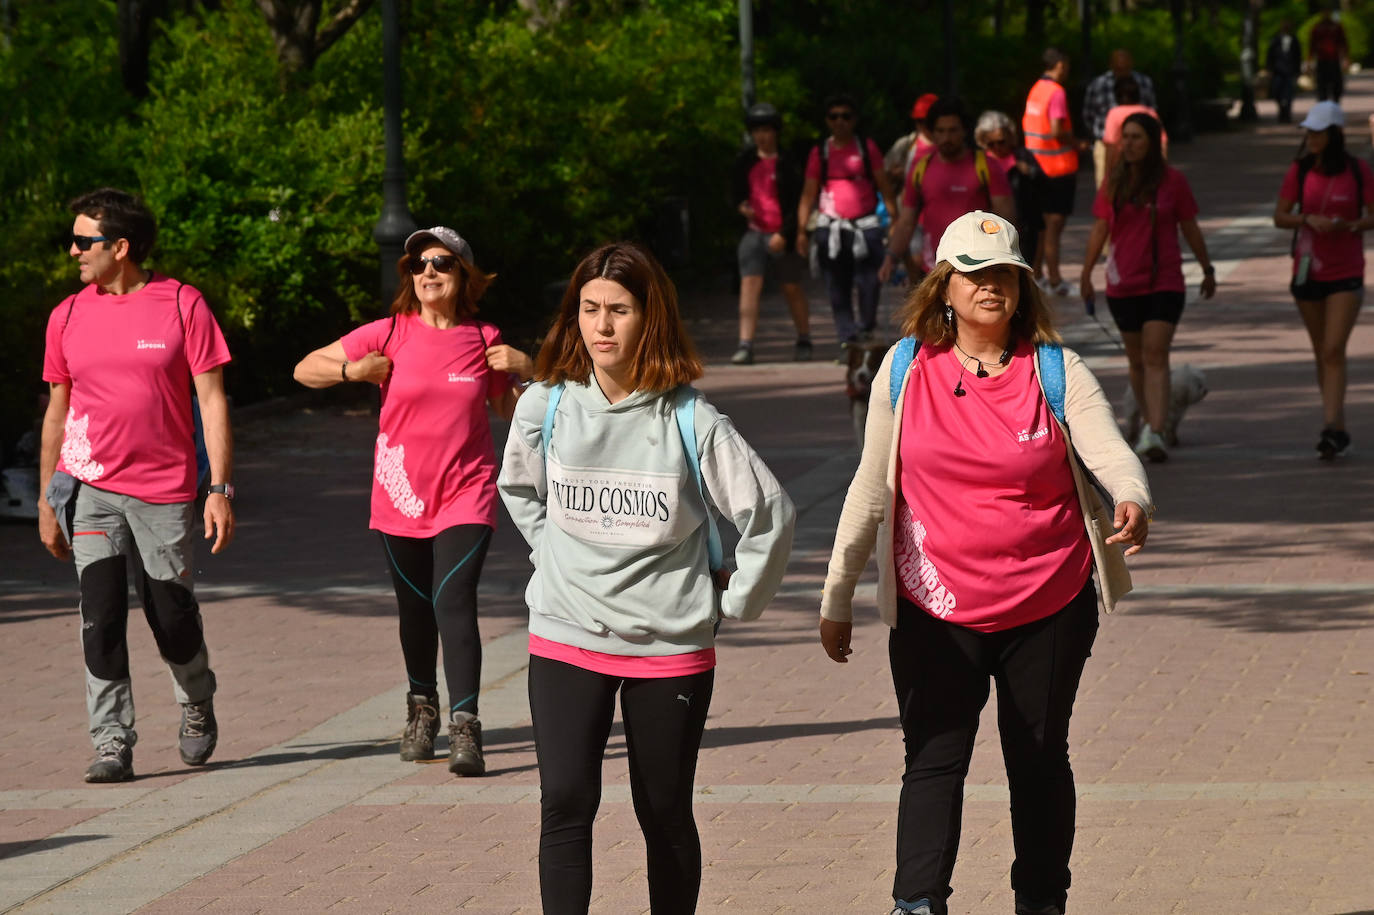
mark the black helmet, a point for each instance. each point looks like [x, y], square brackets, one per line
[762, 114]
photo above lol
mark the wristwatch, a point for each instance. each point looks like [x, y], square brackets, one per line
[224, 489]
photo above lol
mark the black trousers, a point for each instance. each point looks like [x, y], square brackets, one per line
[664, 719]
[941, 673]
[436, 595]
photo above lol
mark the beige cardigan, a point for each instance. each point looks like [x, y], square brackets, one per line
[870, 504]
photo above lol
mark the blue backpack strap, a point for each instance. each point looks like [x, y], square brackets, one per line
[1052, 377]
[555, 395]
[687, 427]
[903, 353]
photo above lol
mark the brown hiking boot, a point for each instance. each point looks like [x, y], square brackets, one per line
[465, 745]
[422, 726]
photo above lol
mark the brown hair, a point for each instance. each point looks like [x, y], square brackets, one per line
[472, 285]
[923, 312]
[665, 357]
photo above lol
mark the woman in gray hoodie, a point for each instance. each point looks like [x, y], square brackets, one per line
[612, 469]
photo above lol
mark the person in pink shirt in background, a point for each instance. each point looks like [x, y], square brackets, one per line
[434, 478]
[1127, 104]
[987, 534]
[1326, 198]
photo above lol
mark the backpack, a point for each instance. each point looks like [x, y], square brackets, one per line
[980, 168]
[685, 410]
[824, 149]
[1051, 372]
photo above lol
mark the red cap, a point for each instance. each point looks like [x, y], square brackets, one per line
[918, 110]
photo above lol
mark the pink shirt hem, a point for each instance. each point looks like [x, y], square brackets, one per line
[618, 665]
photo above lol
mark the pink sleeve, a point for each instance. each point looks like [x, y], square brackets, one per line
[1059, 106]
[205, 346]
[813, 164]
[998, 185]
[1289, 189]
[368, 338]
[54, 359]
[498, 383]
[1111, 131]
[1102, 207]
[1185, 205]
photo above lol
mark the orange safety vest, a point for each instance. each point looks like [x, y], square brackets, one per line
[1055, 157]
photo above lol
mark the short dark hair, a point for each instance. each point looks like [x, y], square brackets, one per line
[120, 215]
[1052, 57]
[1126, 90]
[841, 99]
[946, 106]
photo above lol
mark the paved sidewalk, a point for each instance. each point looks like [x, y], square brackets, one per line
[1223, 740]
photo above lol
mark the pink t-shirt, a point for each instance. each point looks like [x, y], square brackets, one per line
[763, 196]
[130, 360]
[1335, 255]
[988, 533]
[949, 190]
[1111, 131]
[847, 194]
[435, 464]
[619, 665]
[1137, 265]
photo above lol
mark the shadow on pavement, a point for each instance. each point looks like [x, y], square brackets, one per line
[16, 849]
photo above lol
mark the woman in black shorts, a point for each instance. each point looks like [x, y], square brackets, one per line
[1142, 207]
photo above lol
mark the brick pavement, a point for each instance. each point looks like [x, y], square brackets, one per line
[1223, 738]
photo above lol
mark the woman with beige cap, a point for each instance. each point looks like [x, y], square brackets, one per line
[987, 533]
[434, 478]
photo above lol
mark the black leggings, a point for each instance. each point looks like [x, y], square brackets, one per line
[664, 719]
[436, 593]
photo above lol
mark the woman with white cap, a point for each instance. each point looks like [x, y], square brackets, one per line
[1326, 199]
[434, 477]
[987, 532]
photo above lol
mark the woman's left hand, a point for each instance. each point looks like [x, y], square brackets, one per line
[1209, 286]
[1132, 526]
[504, 358]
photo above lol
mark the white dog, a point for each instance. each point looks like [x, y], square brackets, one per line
[1187, 386]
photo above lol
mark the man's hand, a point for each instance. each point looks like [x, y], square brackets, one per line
[835, 639]
[50, 532]
[219, 518]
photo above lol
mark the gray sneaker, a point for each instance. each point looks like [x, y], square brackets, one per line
[465, 745]
[743, 356]
[919, 907]
[114, 762]
[199, 732]
[422, 726]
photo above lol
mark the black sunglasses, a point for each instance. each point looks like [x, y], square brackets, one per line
[443, 263]
[840, 116]
[84, 242]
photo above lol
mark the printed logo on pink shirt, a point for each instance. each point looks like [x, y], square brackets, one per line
[76, 449]
[917, 573]
[1026, 435]
[152, 344]
[390, 470]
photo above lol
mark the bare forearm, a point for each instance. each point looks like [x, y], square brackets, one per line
[1096, 240]
[318, 370]
[1192, 234]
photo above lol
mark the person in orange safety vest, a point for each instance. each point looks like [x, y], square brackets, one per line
[1049, 137]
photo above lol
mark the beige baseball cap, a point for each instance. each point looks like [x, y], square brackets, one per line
[980, 239]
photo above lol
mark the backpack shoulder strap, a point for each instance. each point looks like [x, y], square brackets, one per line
[902, 356]
[823, 148]
[686, 411]
[918, 171]
[1052, 377]
[555, 395]
[392, 329]
[863, 154]
[980, 167]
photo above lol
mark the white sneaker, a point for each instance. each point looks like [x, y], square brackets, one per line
[1150, 446]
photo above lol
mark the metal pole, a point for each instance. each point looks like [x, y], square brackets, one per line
[746, 52]
[1085, 20]
[947, 26]
[1182, 131]
[396, 222]
[1249, 60]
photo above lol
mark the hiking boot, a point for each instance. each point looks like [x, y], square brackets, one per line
[1332, 443]
[465, 745]
[199, 732]
[422, 726]
[1150, 446]
[744, 355]
[801, 351]
[114, 762]
[919, 907]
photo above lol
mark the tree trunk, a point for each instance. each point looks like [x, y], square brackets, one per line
[135, 23]
[296, 31]
[1035, 22]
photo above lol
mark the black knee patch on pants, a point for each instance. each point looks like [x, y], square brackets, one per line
[105, 618]
[174, 617]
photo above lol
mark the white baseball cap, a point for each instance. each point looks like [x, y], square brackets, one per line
[444, 237]
[980, 239]
[1323, 115]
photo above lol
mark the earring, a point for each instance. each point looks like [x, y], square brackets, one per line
[949, 314]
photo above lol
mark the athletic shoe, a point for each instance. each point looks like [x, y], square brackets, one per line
[465, 745]
[114, 762]
[1150, 446]
[199, 732]
[1062, 288]
[422, 726]
[801, 351]
[743, 356]
[1332, 444]
[919, 907]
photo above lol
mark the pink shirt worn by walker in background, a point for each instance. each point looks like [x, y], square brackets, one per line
[763, 196]
[1335, 255]
[434, 461]
[949, 190]
[988, 533]
[847, 193]
[1137, 264]
[130, 360]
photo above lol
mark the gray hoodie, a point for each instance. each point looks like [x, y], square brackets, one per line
[617, 527]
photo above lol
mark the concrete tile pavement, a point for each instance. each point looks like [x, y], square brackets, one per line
[1223, 739]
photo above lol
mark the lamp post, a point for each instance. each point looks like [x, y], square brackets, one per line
[947, 30]
[1182, 130]
[396, 222]
[746, 52]
[1249, 61]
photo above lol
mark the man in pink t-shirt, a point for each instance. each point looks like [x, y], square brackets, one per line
[945, 184]
[119, 469]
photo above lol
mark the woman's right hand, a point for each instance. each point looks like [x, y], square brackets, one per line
[835, 639]
[372, 368]
[1319, 223]
[1085, 286]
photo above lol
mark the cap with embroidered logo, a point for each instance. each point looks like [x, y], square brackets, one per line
[980, 239]
[442, 236]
